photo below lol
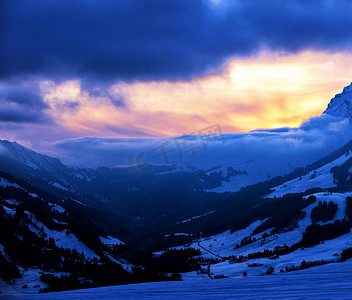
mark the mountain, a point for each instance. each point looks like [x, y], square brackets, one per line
[332, 173]
[341, 104]
[47, 235]
[147, 198]
[45, 172]
[28, 157]
[280, 225]
[277, 201]
[149, 194]
[304, 221]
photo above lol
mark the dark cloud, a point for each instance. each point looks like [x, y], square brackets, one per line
[98, 88]
[15, 113]
[157, 39]
[21, 102]
[22, 92]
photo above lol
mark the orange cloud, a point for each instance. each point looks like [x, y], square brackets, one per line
[264, 91]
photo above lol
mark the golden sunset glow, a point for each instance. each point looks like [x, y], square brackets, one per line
[268, 90]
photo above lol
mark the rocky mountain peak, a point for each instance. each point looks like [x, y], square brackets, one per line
[341, 104]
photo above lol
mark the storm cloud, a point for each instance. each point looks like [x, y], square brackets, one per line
[159, 40]
[21, 102]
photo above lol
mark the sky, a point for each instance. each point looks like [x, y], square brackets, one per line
[150, 69]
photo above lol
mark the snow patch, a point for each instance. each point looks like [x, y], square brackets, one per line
[4, 183]
[11, 202]
[10, 211]
[32, 165]
[110, 240]
[59, 186]
[57, 208]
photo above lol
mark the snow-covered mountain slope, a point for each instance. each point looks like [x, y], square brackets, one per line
[111, 241]
[341, 104]
[63, 238]
[107, 189]
[261, 246]
[234, 184]
[331, 281]
[334, 275]
[39, 231]
[319, 178]
[28, 164]
[305, 218]
[214, 243]
[26, 156]
[55, 212]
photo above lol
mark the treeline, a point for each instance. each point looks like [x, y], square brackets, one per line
[245, 241]
[324, 211]
[64, 283]
[348, 209]
[346, 254]
[340, 173]
[175, 261]
[285, 214]
[306, 265]
[103, 272]
[316, 233]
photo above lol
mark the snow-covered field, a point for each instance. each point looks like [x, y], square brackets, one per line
[30, 279]
[321, 177]
[325, 282]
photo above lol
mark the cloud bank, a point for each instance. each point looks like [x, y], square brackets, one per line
[258, 151]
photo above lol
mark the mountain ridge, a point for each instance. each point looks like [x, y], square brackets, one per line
[341, 104]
